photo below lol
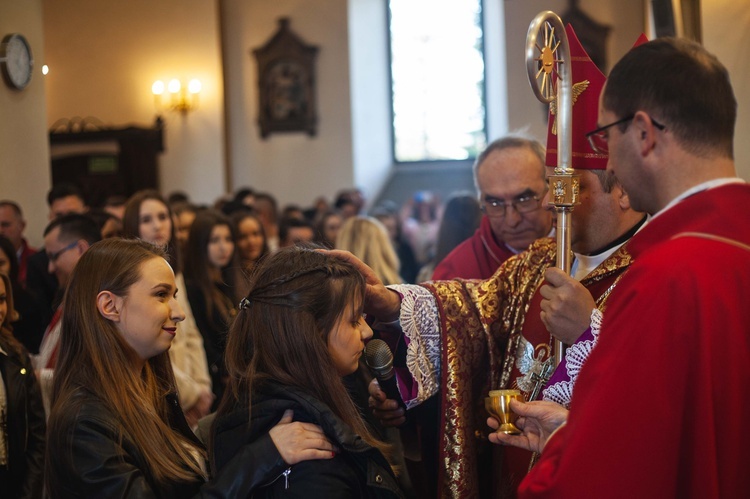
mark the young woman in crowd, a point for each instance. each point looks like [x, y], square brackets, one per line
[183, 214]
[115, 428]
[299, 331]
[212, 275]
[368, 240]
[21, 411]
[148, 217]
[28, 326]
[327, 228]
[251, 239]
[420, 221]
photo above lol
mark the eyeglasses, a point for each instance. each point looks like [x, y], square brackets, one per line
[598, 139]
[497, 208]
[54, 256]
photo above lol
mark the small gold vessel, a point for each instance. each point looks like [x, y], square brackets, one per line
[498, 405]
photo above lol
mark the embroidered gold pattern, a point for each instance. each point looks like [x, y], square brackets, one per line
[482, 324]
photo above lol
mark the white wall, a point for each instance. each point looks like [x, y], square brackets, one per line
[372, 138]
[24, 149]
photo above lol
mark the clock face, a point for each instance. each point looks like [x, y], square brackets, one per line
[16, 60]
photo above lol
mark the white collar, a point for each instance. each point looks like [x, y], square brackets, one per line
[583, 265]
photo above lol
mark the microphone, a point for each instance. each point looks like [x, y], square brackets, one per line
[379, 359]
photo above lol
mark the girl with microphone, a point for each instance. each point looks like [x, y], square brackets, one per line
[299, 331]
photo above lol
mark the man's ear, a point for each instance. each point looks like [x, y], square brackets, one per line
[109, 305]
[623, 200]
[646, 132]
[82, 246]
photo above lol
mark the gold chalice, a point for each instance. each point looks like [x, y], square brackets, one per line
[498, 405]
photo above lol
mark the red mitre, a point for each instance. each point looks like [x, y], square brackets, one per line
[640, 41]
[588, 82]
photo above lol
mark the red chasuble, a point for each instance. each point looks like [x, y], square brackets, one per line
[484, 324]
[662, 408]
[476, 258]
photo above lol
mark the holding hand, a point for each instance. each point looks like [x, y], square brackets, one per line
[566, 306]
[537, 421]
[298, 442]
[388, 411]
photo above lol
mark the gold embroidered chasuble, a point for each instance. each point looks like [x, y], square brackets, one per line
[481, 326]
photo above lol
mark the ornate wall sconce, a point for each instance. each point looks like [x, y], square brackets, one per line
[182, 98]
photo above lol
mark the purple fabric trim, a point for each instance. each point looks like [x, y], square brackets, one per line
[561, 373]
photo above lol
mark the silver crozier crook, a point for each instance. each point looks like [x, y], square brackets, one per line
[548, 55]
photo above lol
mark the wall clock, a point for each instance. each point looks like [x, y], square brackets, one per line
[16, 61]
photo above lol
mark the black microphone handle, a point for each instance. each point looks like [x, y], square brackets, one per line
[390, 388]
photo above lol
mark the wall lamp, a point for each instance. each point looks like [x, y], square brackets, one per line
[181, 98]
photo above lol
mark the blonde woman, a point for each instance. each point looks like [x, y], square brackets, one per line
[368, 240]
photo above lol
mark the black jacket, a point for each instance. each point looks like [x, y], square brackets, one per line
[91, 456]
[214, 329]
[358, 470]
[26, 426]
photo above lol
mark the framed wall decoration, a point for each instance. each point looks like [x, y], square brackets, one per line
[286, 84]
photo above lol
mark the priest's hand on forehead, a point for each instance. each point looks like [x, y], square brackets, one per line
[380, 302]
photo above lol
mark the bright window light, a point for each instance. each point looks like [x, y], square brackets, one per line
[437, 69]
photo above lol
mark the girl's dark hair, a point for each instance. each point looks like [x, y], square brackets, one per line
[131, 221]
[198, 267]
[10, 253]
[11, 314]
[461, 218]
[281, 334]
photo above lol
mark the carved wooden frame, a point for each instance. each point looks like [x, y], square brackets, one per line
[286, 84]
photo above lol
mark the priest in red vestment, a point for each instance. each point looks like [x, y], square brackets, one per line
[661, 406]
[465, 337]
[509, 170]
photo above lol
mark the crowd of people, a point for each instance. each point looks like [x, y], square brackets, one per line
[156, 348]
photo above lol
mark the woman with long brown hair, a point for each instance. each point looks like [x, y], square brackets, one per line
[212, 275]
[149, 217]
[115, 428]
[21, 410]
[299, 331]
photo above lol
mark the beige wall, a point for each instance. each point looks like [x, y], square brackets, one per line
[523, 107]
[293, 166]
[24, 150]
[104, 55]
[103, 58]
[726, 34]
